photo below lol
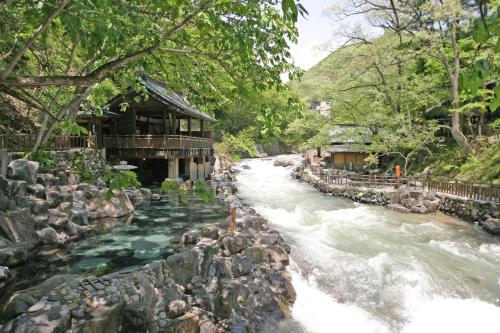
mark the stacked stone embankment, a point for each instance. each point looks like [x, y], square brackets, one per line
[217, 281]
[407, 200]
[44, 209]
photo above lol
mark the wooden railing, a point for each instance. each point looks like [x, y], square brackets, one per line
[25, 142]
[156, 142]
[486, 192]
[478, 191]
[332, 176]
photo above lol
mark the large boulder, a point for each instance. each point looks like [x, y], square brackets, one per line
[22, 300]
[234, 244]
[118, 205]
[14, 254]
[48, 235]
[23, 169]
[184, 266]
[283, 162]
[4, 202]
[38, 190]
[492, 225]
[54, 198]
[19, 226]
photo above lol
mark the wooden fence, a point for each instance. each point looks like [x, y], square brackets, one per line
[334, 177]
[478, 191]
[25, 142]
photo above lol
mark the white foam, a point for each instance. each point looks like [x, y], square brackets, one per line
[440, 315]
[320, 313]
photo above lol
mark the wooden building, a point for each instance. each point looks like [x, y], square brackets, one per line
[348, 148]
[163, 135]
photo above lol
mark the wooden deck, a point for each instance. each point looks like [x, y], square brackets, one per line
[24, 142]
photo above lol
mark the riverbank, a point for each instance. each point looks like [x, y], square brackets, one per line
[406, 200]
[216, 281]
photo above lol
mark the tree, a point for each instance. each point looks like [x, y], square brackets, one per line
[63, 50]
[439, 30]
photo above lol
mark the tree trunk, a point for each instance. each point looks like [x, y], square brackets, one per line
[456, 117]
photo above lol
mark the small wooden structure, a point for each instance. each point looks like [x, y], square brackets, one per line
[348, 149]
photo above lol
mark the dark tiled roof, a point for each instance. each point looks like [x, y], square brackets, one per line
[159, 91]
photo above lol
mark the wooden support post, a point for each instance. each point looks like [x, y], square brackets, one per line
[174, 124]
[189, 126]
[164, 121]
[232, 227]
[201, 128]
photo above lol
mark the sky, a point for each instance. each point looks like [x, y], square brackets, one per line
[314, 32]
[319, 32]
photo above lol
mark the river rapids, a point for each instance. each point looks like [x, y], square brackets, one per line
[359, 268]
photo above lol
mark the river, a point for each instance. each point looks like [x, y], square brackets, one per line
[360, 268]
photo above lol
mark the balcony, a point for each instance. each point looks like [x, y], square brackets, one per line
[25, 142]
[161, 142]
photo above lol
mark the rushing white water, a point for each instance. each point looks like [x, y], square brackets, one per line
[359, 268]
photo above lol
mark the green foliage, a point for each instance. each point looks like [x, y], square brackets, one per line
[100, 270]
[71, 127]
[244, 142]
[483, 167]
[200, 190]
[307, 131]
[120, 181]
[86, 175]
[43, 157]
[171, 186]
[203, 192]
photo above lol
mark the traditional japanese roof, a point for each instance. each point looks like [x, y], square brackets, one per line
[345, 149]
[350, 134]
[158, 90]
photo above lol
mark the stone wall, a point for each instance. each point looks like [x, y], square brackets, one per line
[405, 200]
[51, 209]
[486, 214]
[217, 281]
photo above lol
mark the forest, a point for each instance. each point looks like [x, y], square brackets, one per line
[425, 84]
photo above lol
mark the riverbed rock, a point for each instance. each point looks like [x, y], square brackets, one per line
[283, 162]
[57, 219]
[432, 205]
[19, 226]
[40, 207]
[118, 206]
[183, 266]
[15, 253]
[492, 225]
[177, 308]
[210, 231]
[399, 208]
[277, 254]
[54, 198]
[48, 235]
[4, 273]
[22, 300]
[241, 265]
[45, 179]
[258, 253]
[234, 244]
[37, 190]
[4, 202]
[23, 169]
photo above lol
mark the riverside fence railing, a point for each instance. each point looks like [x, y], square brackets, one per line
[478, 191]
